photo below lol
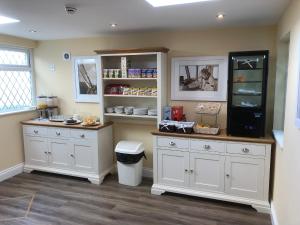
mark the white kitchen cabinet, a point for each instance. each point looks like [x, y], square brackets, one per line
[85, 159]
[245, 177]
[227, 168]
[59, 153]
[37, 150]
[207, 172]
[77, 152]
[170, 174]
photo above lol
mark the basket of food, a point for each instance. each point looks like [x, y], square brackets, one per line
[167, 126]
[185, 127]
[205, 129]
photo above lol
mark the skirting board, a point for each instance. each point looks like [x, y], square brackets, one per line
[273, 215]
[10, 172]
[147, 172]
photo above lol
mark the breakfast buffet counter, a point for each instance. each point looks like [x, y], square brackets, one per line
[221, 137]
[62, 125]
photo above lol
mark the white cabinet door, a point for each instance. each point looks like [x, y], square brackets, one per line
[36, 151]
[244, 177]
[85, 156]
[207, 172]
[173, 167]
[60, 151]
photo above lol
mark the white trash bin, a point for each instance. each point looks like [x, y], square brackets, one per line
[130, 156]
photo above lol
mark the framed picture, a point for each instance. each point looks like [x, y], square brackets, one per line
[86, 76]
[199, 78]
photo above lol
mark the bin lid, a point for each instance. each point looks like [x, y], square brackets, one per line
[130, 147]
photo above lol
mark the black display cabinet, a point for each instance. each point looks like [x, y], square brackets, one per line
[247, 91]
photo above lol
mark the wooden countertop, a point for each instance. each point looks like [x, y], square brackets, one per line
[62, 125]
[221, 137]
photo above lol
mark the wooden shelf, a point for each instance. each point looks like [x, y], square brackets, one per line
[130, 116]
[130, 79]
[132, 50]
[130, 96]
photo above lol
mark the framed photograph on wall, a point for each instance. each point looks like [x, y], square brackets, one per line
[199, 78]
[86, 78]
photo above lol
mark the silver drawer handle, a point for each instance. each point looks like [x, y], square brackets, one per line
[206, 147]
[36, 131]
[82, 135]
[172, 143]
[58, 133]
[245, 150]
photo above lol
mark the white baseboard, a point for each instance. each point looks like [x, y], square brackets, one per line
[274, 215]
[12, 171]
[147, 172]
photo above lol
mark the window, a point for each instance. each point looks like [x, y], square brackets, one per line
[16, 82]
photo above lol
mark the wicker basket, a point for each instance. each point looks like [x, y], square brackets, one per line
[207, 130]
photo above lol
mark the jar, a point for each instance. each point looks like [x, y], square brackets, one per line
[41, 102]
[52, 101]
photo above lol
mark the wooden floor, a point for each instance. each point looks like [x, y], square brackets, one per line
[44, 199]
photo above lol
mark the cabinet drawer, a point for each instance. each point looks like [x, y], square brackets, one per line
[35, 130]
[58, 132]
[207, 146]
[175, 143]
[246, 149]
[83, 134]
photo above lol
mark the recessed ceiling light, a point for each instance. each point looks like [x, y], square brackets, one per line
[159, 3]
[220, 16]
[113, 25]
[32, 31]
[5, 20]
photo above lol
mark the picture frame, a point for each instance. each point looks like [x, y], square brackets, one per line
[86, 78]
[199, 78]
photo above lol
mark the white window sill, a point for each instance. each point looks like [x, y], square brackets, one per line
[31, 109]
[279, 137]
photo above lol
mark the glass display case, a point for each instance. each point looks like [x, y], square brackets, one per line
[247, 88]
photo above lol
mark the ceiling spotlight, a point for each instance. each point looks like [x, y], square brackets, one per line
[220, 16]
[70, 10]
[113, 25]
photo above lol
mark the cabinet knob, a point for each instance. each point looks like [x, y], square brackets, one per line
[172, 143]
[49, 153]
[227, 175]
[206, 147]
[245, 150]
[36, 131]
[82, 135]
[72, 155]
[58, 133]
[191, 171]
[46, 152]
[186, 170]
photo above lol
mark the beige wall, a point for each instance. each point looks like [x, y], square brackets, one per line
[186, 43]
[11, 145]
[286, 196]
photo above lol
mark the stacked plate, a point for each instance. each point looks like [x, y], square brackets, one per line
[152, 112]
[140, 111]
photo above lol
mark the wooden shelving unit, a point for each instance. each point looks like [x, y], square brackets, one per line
[145, 58]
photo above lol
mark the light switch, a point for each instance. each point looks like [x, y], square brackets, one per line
[51, 67]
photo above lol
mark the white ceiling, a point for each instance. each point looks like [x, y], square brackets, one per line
[94, 17]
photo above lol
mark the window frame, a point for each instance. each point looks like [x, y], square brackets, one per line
[28, 68]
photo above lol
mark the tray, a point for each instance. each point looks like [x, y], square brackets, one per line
[207, 130]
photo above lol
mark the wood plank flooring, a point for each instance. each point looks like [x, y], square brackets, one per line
[46, 199]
